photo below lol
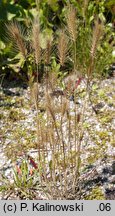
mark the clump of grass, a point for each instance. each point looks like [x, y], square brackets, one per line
[60, 129]
[23, 186]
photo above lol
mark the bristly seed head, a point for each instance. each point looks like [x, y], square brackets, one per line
[97, 33]
[16, 33]
[71, 22]
[36, 40]
[62, 47]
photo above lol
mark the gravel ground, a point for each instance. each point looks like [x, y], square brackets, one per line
[18, 129]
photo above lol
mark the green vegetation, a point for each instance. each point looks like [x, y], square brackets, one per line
[95, 194]
[52, 17]
[55, 46]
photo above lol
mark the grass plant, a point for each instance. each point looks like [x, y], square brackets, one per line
[60, 129]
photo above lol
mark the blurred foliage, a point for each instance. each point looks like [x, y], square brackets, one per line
[52, 17]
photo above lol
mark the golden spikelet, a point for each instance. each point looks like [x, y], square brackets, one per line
[36, 40]
[62, 47]
[50, 106]
[71, 22]
[97, 33]
[16, 33]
